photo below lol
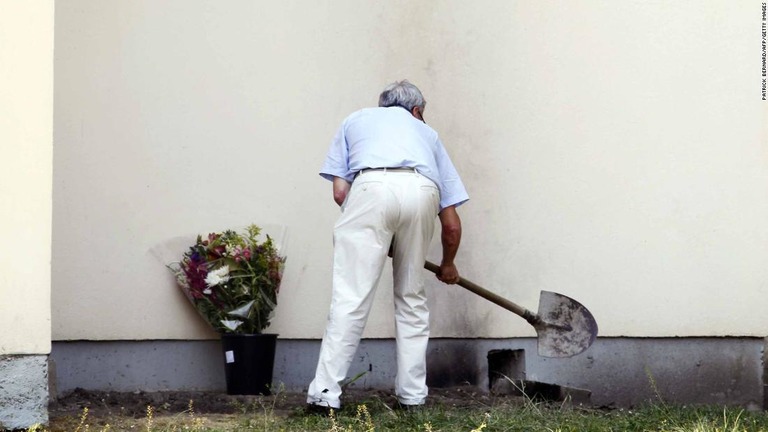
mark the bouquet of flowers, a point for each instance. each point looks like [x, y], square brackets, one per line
[232, 279]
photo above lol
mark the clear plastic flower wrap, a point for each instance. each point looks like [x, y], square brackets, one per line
[232, 279]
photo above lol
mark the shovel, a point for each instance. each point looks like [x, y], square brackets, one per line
[564, 327]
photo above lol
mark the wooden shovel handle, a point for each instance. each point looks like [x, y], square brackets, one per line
[492, 297]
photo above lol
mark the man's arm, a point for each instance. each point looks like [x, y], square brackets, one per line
[340, 190]
[451, 238]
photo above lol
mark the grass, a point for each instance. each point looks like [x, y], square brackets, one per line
[505, 414]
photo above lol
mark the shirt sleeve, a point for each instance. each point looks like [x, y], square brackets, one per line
[452, 191]
[337, 160]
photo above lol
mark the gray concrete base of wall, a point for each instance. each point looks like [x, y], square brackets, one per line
[619, 372]
[23, 391]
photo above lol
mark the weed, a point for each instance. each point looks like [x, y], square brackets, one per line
[483, 424]
[349, 381]
[83, 426]
[149, 418]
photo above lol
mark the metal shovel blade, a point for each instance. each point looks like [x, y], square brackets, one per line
[565, 327]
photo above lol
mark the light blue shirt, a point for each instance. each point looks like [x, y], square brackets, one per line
[389, 138]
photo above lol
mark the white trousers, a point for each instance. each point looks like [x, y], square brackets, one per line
[380, 205]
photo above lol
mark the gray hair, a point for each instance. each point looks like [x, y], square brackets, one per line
[402, 94]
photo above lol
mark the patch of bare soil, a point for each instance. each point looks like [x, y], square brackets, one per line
[103, 405]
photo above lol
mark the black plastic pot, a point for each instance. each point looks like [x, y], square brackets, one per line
[249, 361]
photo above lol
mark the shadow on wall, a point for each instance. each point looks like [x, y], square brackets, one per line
[451, 364]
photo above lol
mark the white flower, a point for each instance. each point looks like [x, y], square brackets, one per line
[207, 291]
[243, 311]
[231, 324]
[218, 276]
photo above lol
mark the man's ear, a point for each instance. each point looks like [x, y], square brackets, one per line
[418, 112]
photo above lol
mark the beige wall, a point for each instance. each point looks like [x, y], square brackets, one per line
[614, 152]
[26, 135]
